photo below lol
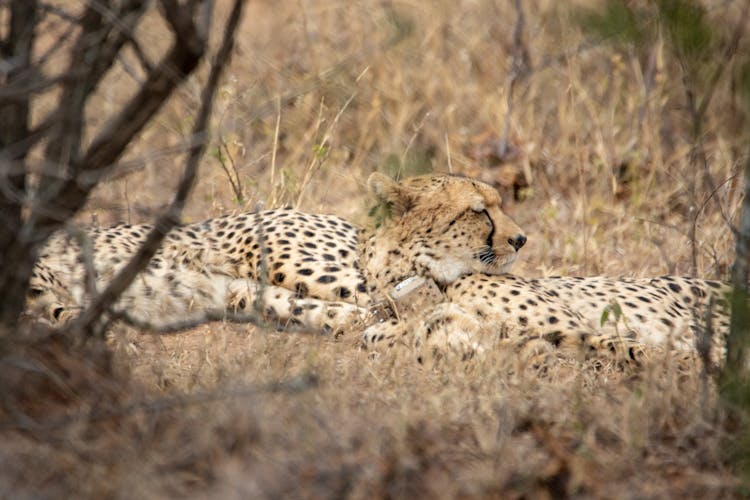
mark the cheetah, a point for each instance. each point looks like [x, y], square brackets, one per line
[433, 274]
[298, 270]
[594, 316]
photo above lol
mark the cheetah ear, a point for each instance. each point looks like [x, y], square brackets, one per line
[399, 197]
[381, 185]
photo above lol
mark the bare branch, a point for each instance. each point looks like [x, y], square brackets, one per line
[68, 196]
[519, 69]
[111, 141]
[33, 84]
[61, 192]
[170, 218]
[233, 175]
[180, 19]
[698, 157]
[739, 335]
[205, 15]
[105, 42]
[18, 46]
[729, 51]
[59, 12]
[141, 56]
[102, 36]
[64, 142]
[14, 115]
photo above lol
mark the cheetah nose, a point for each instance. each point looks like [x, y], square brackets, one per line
[517, 242]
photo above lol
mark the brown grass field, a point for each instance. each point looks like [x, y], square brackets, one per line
[318, 95]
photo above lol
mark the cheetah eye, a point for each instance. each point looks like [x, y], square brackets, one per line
[34, 292]
[490, 227]
[486, 217]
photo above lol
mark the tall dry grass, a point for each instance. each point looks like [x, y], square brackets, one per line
[318, 95]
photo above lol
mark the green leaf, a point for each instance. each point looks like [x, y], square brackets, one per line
[615, 20]
[392, 166]
[613, 308]
[605, 316]
[320, 151]
[215, 152]
[403, 26]
[617, 310]
[687, 27]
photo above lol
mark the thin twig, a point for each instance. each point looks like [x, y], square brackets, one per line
[723, 61]
[273, 153]
[233, 175]
[102, 42]
[59, 12]
[697, 151]
[448, 153]
[87, 257]
[322, 150]
[518, 70]
[417, 129]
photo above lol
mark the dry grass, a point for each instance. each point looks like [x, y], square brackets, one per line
[225, 412]
[317, 97]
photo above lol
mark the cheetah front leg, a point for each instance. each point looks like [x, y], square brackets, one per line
[445, 330]
[286, 310]
[448, 328]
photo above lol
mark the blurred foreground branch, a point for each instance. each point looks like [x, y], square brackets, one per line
[171, 217]
[33, 206]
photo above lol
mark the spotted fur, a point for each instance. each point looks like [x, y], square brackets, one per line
[583, 316]
[309, 271]
[319, 272]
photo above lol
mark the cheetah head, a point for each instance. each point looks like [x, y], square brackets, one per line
[446, 225]
[47, 300]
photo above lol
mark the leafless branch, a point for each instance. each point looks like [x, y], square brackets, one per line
[58, 44]
[739, 336]
[519, 69]
[729, 51]
[140, 55]
[68, 196]
[105, 27]
[170, 218]
[233, 175]
[59, 12]
[21, 90]
[100, 41]
[698, 157]
[18, 46]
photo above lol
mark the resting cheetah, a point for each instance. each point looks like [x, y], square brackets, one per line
[446, 239]
[593, 316]
[312, 271]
